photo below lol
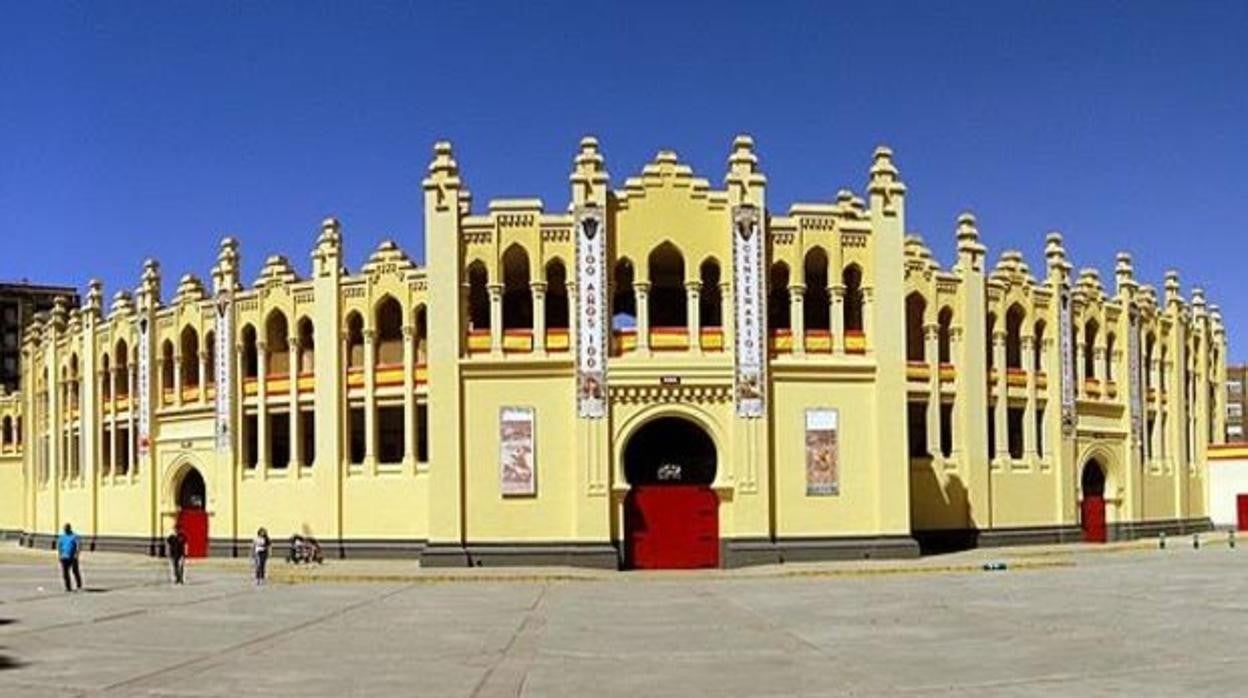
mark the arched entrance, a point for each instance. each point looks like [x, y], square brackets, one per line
[192, 515]
[671, 514]
[1092, 508]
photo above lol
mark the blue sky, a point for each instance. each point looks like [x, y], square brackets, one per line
[152, 129]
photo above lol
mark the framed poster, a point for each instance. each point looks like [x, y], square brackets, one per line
[517, 464]
[822, 453]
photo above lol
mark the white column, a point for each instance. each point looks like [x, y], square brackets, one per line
[370, 400]
[177, 379]
[641, 292]
[931, 351]
[837, 295]
[132, 457]
[496, 320]
[797, 318]
[694, 305]
[868, 309]
[112, 422]
[1003, 391]
[292, 373]
[205, 370]
[409, 397]
[1029, 416]
[538, 289]
[262, 408]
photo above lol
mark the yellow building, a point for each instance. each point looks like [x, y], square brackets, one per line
[663, 374]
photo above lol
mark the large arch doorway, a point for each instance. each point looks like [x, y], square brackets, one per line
[1092, 508]
[671, 514]
[192, 514]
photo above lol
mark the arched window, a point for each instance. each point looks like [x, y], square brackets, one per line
[106, 378]
[517, 294]
[1090, 330]
[778, 297]
[478, 297]
[623, 299]
[556, 295]
[389, 323]
[166, 365]
[667, 287]
[277, 339]
[355, 340]
[122, 355]
[915, 308]
[945, 319]
[711, 306]
[1109, 356]
[1038, 345]
[422, 336]
[817, 312]
[851, 278]
[210, 366]
[1014, 336]
[251, 363]
[990, 326]
[307, 346]
[189, 344]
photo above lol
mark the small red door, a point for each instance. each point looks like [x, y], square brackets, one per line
[194, 523]
[1241, 507]
[1093, 511]
[671, 527]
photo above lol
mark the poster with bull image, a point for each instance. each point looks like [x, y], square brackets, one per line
[822, 453]
[517, 465]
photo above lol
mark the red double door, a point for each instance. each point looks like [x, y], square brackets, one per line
[194, 524]
[671, 527]
[1092, 512]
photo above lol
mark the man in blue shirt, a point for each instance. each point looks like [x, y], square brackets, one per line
[67, 547]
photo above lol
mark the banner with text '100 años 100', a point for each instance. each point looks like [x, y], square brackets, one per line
[592, 322]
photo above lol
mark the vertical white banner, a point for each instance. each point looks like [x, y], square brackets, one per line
[592, 321]
[145, 387]
[222, 354]
[517, 462]
[1066, 361]
[747, 273]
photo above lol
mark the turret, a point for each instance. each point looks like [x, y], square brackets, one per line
[1124, 276]
[589, 175]
[225, 276]
[746, 183]
[971, 251]
[149, 286]
[887, 192]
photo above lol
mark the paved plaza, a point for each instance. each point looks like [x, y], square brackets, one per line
[1118, 621]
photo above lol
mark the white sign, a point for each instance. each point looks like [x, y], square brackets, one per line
[592, 324]
[145, 386]
[1066, 362]
[222, 354]
[1133, 356]
[747, 274]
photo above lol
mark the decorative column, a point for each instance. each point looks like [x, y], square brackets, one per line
[1081, 365]
[409, 397]
[370, 400]
[931, 350]
[641, 294]
[177, 378]
[205, 370]
[296, 452]
[836, 296]
[262, 407]
[1029, 415]
[538, 289]
[1001, 426]
[867, 319]
[1155, 447]
[797, 318]
[959, 394]
[112, 420]
[693, 303]
[1098, 369]
[496, 318]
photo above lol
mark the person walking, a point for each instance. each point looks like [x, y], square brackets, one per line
[175, 548]
[67, 549]
[260, 554]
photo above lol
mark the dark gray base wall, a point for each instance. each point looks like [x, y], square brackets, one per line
[593, 555]
[744, 552]
[961, 539]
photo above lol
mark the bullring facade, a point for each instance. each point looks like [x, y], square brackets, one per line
[663, 374]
